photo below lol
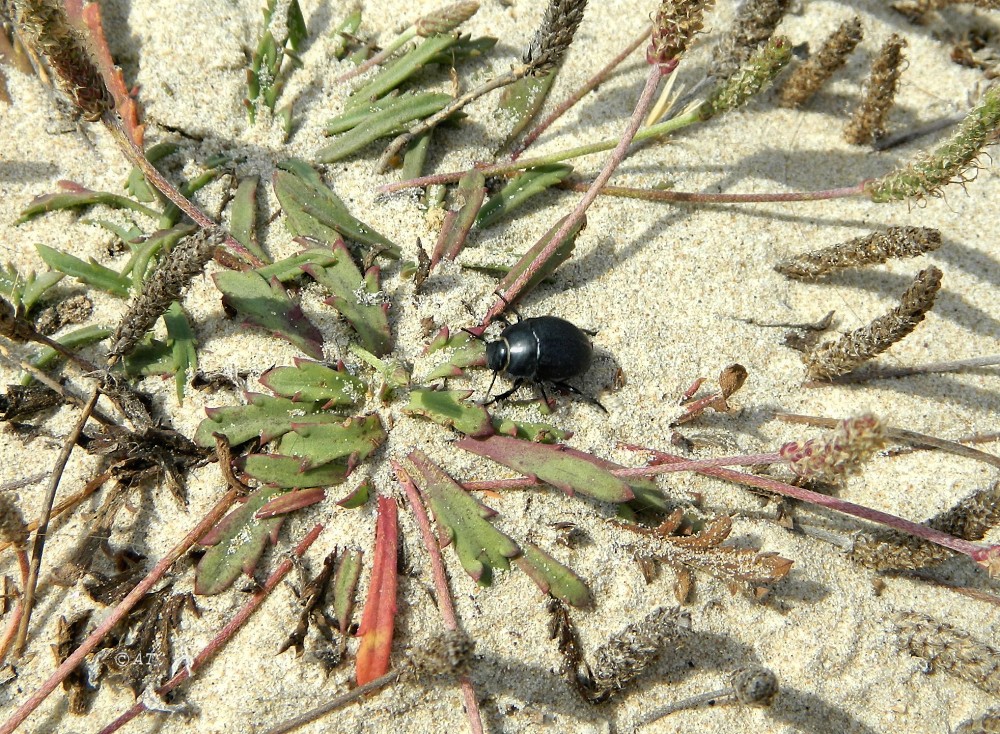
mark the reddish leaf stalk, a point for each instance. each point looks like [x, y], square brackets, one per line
[571, 222]
[118, 613]
[445, 603]
[378, 618]
[224, 635]
[591, 84]
[15, 619]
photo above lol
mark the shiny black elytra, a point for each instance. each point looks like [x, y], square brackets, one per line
[538, 350]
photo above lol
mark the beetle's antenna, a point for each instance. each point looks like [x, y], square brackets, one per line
[507, 307]
[492, 383]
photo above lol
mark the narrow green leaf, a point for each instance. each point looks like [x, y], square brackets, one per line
[172, 214]
[243, 217]
[287, 472]
[522, 101]
[358, 299]
[519, 190]
[450, 409]
[394, 118]
[468, 198]
[25, 291]
[314, 382]
[266, 305]
[291, 267]
[466, 352]
[415, 155]
[236, 544]
[320, 443]
[146, 251]
[92, 273]
[558, 465]
[558, 258]
[313, 210]
[182, 343]
[345, 583]
[465, 48]
[150, 358]
[461, 520]
[78, 197]
[263, 416]
[347, 28]
[137, 185]
[298, 33]
[357, 498]
[394, 74]
[553, 577]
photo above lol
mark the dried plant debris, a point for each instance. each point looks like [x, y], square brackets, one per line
[625, 656]
[73, 310]
[988, 723]
[753, 27]
[749, 685]
[22, 401]
[875, 248]
[69, 635]
[839, 454]
[917, 10]
[970, 519]
[803, 83]
[949, 649]
[310, 600]
[834, 358]
[867, 124]
[13, 528]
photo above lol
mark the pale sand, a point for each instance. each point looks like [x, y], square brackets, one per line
[670, 290]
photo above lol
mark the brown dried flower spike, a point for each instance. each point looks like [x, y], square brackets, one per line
[840, 453]
[950, 649]
[868, 122]
[808, 78]
[872, 249]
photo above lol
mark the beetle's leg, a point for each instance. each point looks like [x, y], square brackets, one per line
[492, 383]
[585, 396]
[505, 395]
[501, 318]
[541, 389]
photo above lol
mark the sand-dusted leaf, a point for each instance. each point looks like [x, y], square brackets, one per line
[379, 616]
[314, 382]
[561, 254]
[345, 583]
[25, 290]
[519, 190]
[397, 72]
[137, 185]
[78, 197]
[243, 217]
[92, 273]
[526, 431]
[345, 31]
[357, 498]
[451, 409]
[313, 210]
[320, 443]
[263, 416]
[236, 544]
[384, 118]
[180, 337]
[77, 339]
[466, 47]
[553, 577]
[554, 464]
[291, 501]
[466, 203]
[461, 520]
[395, 372]
[286, 471]
[359, 299]
[266, 305]
[522, 101]
[290, 268]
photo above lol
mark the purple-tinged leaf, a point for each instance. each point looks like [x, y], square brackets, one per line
[291, 501]
[76, 197]
[450, 409]
[468, 199]
[553, 577]
[558, 465]
[311, 381]
[379, 616]
[237, 543]
[460, 518]
[266, 305]
[243, 217]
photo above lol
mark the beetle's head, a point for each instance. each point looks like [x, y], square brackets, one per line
[497, 355]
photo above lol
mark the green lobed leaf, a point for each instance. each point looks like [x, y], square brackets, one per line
[266, 305]
[553, 577]
[359, 299]
[314, 382]
[461, 520]
[92, 273]
[236, 544]
[519, 190]
[467, 352]
[313, 210]
[320, 443]
[286, 471]
[390, 119]
[450, 409]
[262, 416]
[558, 465]
[397, 72]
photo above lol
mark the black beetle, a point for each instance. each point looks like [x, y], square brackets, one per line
[540, 349]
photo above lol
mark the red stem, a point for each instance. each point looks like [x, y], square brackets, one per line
[445, 603]
[15, 620]
[579, 94]
[118, 613]
[224, 634]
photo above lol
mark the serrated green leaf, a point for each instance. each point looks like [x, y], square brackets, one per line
[519, 190]
[236, 544]
[313, 210]
[391, 119]
[181, 339]
[394, 74]
[78, 197]
[266, 305]
[358, 299]
[92, 273]
[77, 339]
[468, 197]
[286, 471]
[314, 382]
[450, 409]
[558, 465]
[553, 577]
[137, 185]
[461, 520]
[243, 217]
[263, 416]
[523, 100]
[526, 431]
[321, 443]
